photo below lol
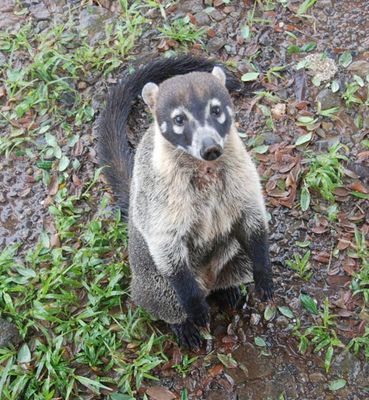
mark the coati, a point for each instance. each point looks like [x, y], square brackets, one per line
[190, 191]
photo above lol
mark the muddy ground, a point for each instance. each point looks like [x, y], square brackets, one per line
[276, 369]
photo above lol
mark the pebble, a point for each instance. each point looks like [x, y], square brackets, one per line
[202, 18]
[215, 44]
[39, 11]
[216, 15]
[360, 68]
[328, 99]
[8, 333]
[316, 377]
[255, 319]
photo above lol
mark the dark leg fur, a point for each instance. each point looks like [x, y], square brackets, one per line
[188, 335]
[229, 297]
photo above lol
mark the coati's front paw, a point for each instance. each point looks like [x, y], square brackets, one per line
[188, 335]
[198, 311]
[264, 286]
[228, 297]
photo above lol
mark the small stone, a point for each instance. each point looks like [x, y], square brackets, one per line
[328, 99]
[190, 6]
[360, 68]
[316, 377]
[202, 19]
[255, 319]
[82, 85]
[282, 322]
[216, 15]
[215, 44]
[8, 333]
[39, 11]
[29, 171]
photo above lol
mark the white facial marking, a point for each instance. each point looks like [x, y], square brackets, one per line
[163, 127]
[221, 119]
[178, 129]
[211, 103]
[175, 112]
[230, 111]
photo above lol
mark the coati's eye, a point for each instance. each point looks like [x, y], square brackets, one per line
[215, 110]
[179, 120]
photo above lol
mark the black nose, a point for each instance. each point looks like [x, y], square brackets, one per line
[210, 150]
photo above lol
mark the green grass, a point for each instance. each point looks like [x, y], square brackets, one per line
[301, 265]
[54, 63]
[182, 30]
[360, 283]
[69, 304]
[324, 175]
[321, 336]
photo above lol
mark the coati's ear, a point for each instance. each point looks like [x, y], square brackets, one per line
[219, 74]
[149, 94]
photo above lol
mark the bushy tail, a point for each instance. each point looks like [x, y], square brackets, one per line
[114, 149]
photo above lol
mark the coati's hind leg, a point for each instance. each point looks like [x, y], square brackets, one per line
[156, 294]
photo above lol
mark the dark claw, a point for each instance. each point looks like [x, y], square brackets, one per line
[188, 335]
[265, 290]
[228, 297]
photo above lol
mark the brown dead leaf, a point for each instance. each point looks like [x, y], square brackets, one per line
[53, 186]
[349, 266]
[211, 33]
[322, 257]
[2, 91]
[319, 229]
[343, 244]
[54, 241]
[357, 186]
[160, 393]
[76, 180]
[78, 148]
[25, 192]
[363, 155]
[215, 370]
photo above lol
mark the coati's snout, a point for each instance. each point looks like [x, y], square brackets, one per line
[210, 150]
[193, 112]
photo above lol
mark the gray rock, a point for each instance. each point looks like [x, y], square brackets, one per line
[360, 68]
[216, 15]
[39, 11]
[202, 18]
[190, 6]
[328, 99]
[8, 334]
[215, 44]
[92, 20]
[2, 59]
[317, 377]
[282, 322]
[265, 39]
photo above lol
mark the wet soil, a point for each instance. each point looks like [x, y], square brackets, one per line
[278, 368]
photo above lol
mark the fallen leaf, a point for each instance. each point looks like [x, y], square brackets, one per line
[160, 393]
[358, 187]
[215, 370]
[322, 257]
[53, 186]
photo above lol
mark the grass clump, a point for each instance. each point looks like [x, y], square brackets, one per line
[321, 336]
[301, 265]
[68, 303]
[324, 175]
[360, 283]
[182, 30]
